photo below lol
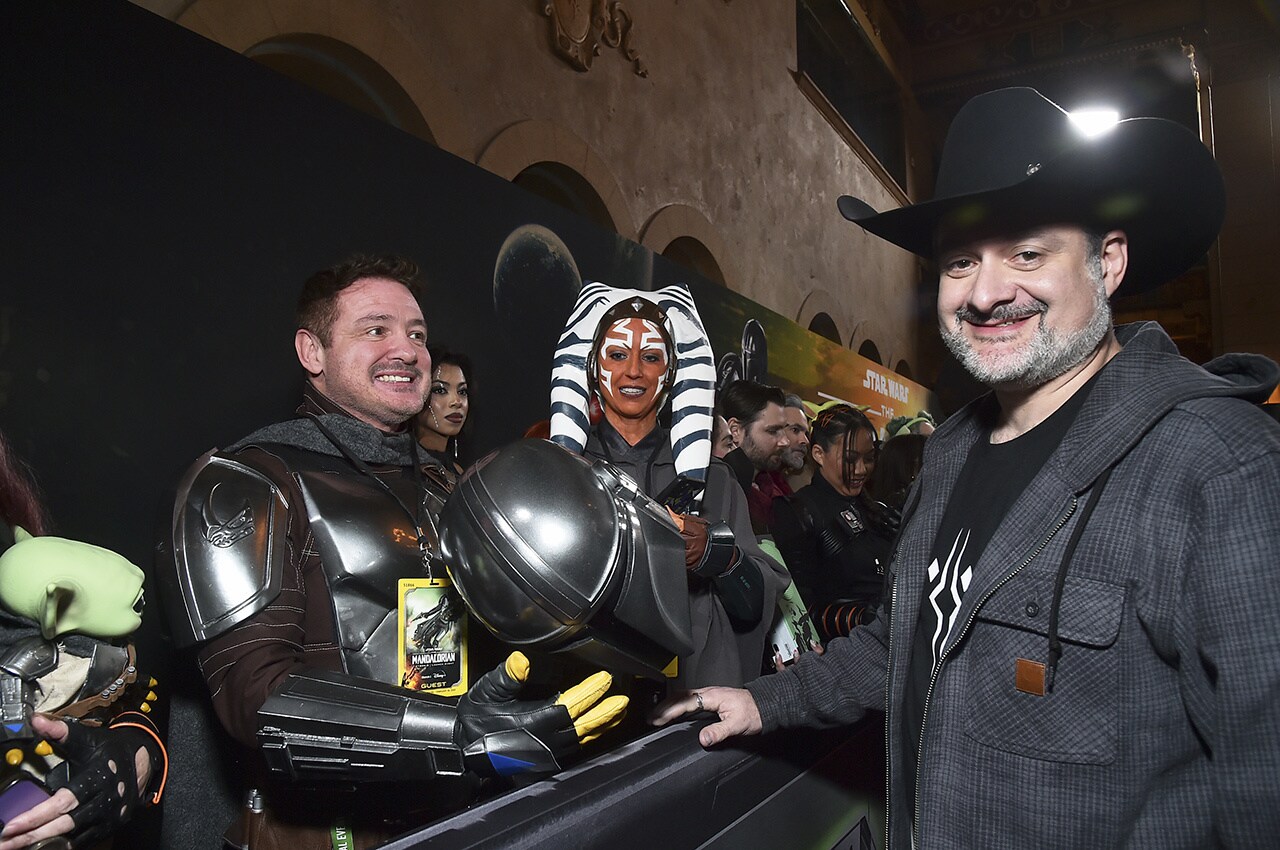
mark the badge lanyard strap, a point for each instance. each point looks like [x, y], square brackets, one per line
[416, 517]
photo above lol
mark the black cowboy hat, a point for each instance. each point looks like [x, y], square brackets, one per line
[1013, 158]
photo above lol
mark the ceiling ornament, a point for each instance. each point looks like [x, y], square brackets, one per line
[580, 27]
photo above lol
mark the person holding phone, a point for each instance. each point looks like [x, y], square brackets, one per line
[112, 759]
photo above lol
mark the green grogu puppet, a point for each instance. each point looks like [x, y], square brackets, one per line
[67, 586]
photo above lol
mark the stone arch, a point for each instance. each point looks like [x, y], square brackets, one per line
[870, 350]
[904, 369]
[692, 254]
[242, 25]
[560, 184]
[686, 236]
[824, 326]
[345, 74]
[532, 142]
[818, 303]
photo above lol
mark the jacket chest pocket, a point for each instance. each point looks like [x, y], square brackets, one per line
[1077, 721]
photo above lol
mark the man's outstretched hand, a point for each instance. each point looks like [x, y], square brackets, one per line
[735, 706]
[503, 735]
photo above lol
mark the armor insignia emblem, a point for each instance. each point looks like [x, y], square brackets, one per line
[851, 519]
[224, 534]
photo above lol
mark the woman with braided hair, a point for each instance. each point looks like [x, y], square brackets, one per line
[836, 540]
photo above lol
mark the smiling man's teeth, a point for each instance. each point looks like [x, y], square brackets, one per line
[394, 379]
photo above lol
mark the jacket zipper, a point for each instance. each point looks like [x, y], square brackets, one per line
[888, 678]
[907, 515]
[933, 678]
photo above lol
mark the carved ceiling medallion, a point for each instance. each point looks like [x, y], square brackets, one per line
[580, 27]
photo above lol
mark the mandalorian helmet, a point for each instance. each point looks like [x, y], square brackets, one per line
[554, 552]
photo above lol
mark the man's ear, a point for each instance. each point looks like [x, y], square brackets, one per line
[736, 430]
[310, 351]
[1115, 260]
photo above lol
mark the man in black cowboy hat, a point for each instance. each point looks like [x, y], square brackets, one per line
[1080, 642]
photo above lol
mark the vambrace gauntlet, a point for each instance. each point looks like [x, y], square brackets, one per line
[323, 725]
[736, 579]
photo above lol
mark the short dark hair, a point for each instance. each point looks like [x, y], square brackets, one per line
[317, 303]
[746, 400]
[442, 356]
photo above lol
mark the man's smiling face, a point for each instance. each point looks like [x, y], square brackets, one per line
[1018, 312]
[376, 360]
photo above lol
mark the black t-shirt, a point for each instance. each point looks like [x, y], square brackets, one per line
[993, 477]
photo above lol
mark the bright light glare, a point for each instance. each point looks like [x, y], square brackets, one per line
[1094, 122]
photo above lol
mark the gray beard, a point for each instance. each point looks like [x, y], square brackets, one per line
[1048, 355]
[793, 463]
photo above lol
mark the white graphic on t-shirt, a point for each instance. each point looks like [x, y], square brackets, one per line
[947, 582]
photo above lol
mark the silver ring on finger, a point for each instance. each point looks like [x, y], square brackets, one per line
[698, 697]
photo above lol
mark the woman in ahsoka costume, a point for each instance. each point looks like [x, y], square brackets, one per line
[633, 350]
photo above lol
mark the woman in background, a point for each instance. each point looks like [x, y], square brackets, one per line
[440, 424]
[896, 469]
[835, 539]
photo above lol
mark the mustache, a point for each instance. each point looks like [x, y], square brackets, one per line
[1002, 313]
[397, 366]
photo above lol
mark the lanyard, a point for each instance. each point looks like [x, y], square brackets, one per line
[416, 517]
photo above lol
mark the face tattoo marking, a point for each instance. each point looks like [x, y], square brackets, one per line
[631, 374]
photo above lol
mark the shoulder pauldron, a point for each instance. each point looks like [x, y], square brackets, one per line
[226, 548]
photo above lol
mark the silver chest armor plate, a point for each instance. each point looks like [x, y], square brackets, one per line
[367, 543]
[228, 549]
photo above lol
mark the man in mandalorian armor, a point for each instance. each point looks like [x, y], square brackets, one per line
[282, 564]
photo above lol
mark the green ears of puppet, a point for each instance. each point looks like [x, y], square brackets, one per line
[68, 586]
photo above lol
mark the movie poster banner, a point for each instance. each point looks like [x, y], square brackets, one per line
[753, 342]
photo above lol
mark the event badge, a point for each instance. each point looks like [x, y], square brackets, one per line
[432, 637]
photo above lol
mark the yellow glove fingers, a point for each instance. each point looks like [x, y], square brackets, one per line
[603, 717]
[518, 666]
[585, 694]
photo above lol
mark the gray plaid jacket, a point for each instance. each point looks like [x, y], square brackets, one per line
[1163, 728]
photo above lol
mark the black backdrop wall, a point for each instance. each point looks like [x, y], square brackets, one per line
[164, 199]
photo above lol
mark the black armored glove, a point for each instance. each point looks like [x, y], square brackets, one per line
[100, 771]
[505, 736]
[882, 518]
